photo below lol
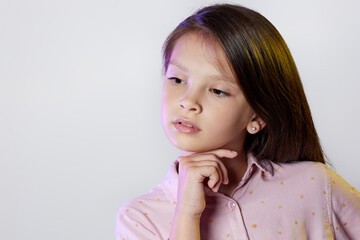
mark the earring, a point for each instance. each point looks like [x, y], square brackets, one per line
[253, 128]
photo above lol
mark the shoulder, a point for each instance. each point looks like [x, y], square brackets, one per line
[139, 207]
[316, 174]
[344, 205]
[339, 199]
[149, 216]
[132, 220]
[343, 195]
[339, 185]
[145, 216]
[302, 171]
[305, 180]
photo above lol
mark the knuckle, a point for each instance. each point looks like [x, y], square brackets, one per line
[214, 170]
[192, 172]
[212, 164]
[184, 165]
[213, 155]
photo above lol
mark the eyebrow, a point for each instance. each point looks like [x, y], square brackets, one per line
[218, 77]
[173, 62]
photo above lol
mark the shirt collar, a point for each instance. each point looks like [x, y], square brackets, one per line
[264, 165]
[170, 181]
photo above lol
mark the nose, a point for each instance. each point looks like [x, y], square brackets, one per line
[190, 104]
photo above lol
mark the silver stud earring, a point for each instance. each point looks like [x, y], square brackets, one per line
[253, 128]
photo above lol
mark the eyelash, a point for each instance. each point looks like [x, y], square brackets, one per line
[218, 90]
[213, 90]
[173, 79]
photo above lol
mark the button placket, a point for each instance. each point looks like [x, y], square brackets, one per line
[237, 223]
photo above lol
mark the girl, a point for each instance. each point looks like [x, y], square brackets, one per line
[251, 165]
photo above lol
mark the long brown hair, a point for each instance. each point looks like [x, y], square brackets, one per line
[267, 76]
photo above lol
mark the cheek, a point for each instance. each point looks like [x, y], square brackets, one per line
[165, 115]
[165, 101]
[164, 112]
[233, 118]
[167, 105]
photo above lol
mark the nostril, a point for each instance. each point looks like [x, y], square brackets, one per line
[189, 106]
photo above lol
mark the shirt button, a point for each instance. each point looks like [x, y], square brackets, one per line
[231, 205]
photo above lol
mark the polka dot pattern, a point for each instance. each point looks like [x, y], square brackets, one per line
[260, 205]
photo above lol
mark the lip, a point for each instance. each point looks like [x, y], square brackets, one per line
[185, 129]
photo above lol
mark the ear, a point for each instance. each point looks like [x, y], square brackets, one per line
[255, 125]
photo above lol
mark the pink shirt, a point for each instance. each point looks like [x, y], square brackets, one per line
[303, 200]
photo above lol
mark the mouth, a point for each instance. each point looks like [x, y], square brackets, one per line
[185, 126]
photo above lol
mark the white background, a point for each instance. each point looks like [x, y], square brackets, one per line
[80, 84]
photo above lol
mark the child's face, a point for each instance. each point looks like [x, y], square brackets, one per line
[196, 93]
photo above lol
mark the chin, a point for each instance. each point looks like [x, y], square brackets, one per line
[188, 146]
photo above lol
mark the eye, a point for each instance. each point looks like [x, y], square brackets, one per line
[176, 81]
[219, 92]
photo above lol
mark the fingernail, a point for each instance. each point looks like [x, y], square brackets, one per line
[234, 152]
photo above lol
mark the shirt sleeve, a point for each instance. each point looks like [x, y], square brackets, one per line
[132, 224]
[345, 205]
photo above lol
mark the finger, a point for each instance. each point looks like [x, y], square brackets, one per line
[202, 158]
[200, 173]
[213, 174]
[223, 153]
[214, 182]
[216, 163]
[219, 153]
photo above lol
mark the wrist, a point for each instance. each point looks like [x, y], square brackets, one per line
[187, 212]
[187, 216]
[186, 225]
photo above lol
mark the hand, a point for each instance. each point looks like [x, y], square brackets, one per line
[193, 170]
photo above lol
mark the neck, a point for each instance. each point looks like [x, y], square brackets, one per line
[236, 168]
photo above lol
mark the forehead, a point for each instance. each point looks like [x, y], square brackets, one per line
[194, 49]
